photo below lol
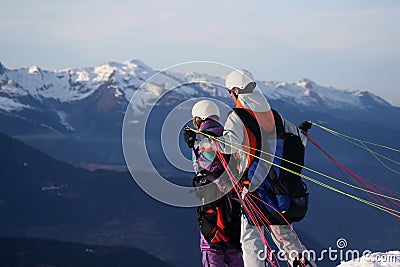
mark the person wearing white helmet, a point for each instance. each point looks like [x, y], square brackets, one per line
[203, 110]
[219, 218]
[238, 130]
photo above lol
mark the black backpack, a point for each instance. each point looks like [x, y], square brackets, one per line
[219, 221]
[285, 183]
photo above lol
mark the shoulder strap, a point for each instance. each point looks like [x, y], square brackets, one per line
[253, 125]
[280, 128]
[250, 122]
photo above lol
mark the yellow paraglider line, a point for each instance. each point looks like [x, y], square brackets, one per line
[299, 165]
[362, 144]
[355, 139]
[393, 212]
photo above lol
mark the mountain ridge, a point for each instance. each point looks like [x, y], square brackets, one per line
[74, 84]
[83, 123]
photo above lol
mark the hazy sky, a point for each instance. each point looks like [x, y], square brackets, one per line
[353, 44]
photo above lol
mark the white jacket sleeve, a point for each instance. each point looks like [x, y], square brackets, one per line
[233, 136]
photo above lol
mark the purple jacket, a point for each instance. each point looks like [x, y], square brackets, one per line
[203, 160]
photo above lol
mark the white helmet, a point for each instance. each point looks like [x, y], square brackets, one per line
[205, 109]
[239, 79]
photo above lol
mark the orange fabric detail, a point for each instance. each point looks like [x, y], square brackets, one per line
[220, 236]
[238, 103]
[249, 138]
[210, 211]
[219, 228]
[220, 219]
[250, 146]
[265, 119]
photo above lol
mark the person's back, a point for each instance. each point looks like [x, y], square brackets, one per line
[220, 234]
[242, 89]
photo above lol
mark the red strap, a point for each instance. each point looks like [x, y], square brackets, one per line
[220, 236]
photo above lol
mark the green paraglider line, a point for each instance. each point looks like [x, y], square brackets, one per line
[386, 209]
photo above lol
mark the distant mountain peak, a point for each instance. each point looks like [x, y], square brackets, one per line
[34, 70]
[105, 72]
[136, 62]
[306, 83]
[2, 69]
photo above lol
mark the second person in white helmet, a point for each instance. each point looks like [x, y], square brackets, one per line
[238, 131]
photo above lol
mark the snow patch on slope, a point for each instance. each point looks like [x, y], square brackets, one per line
[8, 104]
[63, 120]
[308, 93]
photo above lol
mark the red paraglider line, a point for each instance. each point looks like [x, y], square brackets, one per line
[252, 210]
[356, 176]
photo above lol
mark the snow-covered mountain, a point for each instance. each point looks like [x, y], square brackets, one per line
[308, 93]
[76, 115]
[71, 84]
[88, 104]
[123, 79]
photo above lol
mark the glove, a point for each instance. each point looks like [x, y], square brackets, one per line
[305, 126]
[189, 137]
